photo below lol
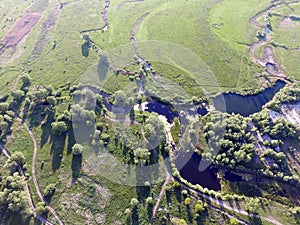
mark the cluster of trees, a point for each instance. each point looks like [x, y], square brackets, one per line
[283, 129]
[285, 95]
[6, 115]
[295, 211]
[232, 139]
[120, 99]
[17, 158]
[154, 130]
[13, 198]
[252, 205]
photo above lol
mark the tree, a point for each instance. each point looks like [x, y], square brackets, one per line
[130, 101]
[49, 190]
[77, 149]
[187, 201]
[51, 100]
[26, 80]
[141, 156]
[3, 107]
[40, 95]
[18, 95]
[41, 208]
[149, 200]
[234, 221]
[120, 98]
[181, 222]
[252, 205]
[58, 128]
[134, 202]
[199, 207]
[17, 158]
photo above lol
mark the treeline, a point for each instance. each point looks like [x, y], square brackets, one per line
[284, 96]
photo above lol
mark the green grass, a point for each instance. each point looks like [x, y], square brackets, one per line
[176, 130]
[191, 28]
[234, 18]
[287, 35]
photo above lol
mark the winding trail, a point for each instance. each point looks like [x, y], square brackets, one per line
[36, 184]
[168, 175]
[30, 201]
[223, 205]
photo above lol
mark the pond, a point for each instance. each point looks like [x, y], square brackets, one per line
[190, 172]
[233, 177]
[161, 109]
[248, 104]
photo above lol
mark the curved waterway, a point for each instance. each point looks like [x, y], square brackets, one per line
[234, 103]
[248, 104]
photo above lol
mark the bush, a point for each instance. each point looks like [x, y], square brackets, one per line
[77, 149]
[58, 128]
[49, 190]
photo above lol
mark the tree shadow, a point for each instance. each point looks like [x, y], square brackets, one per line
[135, 216]
[76, 166]
[103, 67]
[168, 197]
[71, 140]
[149, 211]
[237, 204]
[253, 220]
[85, 49]
[57, 148]
[142, 191]
[46, 130]
[189, 213]
[177, 192]
[36, 116]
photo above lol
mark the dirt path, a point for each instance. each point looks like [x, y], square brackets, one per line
[30, 201]
[37, 187]
[231, 208]
[169, 177]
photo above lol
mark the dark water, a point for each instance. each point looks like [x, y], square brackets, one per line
[206, 178]
[246, 105]
[233, 177]
[202, 111]
[162, 109]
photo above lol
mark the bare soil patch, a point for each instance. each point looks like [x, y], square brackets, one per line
[47, 25]
[19, 30]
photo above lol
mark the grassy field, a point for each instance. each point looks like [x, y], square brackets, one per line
[190, 24]
[238, 32]
[286, 34]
